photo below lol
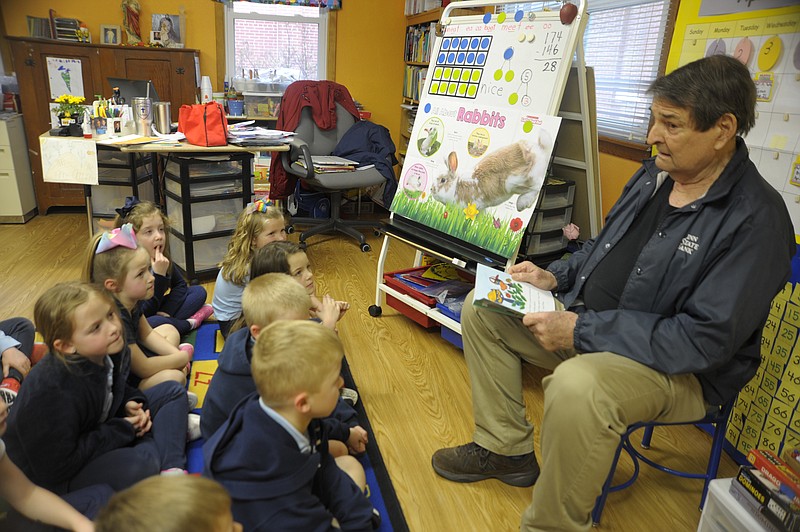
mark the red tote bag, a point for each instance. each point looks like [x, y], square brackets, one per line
[204, 124]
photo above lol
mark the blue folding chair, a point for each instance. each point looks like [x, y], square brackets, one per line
[719, 419]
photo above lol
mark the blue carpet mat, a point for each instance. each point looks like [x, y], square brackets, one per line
[379, 486]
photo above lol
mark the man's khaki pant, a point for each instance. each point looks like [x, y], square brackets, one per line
[589, 401]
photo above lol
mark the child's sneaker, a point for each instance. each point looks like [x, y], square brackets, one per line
[193, 431]
[349, 396]
[39, 351]
[193, 400]
[189, 348]
[196, 319]
[8, 390]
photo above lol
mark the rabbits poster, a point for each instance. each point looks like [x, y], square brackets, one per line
[483, 134]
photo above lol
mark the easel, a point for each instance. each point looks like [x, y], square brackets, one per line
[464, 254]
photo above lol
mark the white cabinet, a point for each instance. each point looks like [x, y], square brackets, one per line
[17, 197]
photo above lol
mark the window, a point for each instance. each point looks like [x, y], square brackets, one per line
[275, 42]
[623, 43]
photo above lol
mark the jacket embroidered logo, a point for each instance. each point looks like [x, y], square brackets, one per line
[689, 244]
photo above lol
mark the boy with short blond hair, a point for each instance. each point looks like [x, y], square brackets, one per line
[267, 299]
[272, 453]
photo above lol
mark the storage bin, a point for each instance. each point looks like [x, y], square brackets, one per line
[550, 220]
[106, 198]
[392, 281]
[209, 188]
[121, 174]
[544, 243]
[722, 512]
[207, 216]
[556, 194]
[258, 105]
[207, 166]
[112, 156]
[414, 314]
[452, 337]
[208, 253]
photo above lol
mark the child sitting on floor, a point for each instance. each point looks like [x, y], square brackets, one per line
[259, 224]
[267, 299]
[76, 422]
[173, 302]
[116, 263]
[169, 504]
[32, 501]
[272, 453]
[289, 258]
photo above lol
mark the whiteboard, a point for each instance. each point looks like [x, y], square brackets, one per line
[485, 126]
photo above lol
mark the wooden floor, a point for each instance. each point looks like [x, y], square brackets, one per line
[414, 385]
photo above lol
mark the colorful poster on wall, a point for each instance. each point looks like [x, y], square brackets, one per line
[66, 77]
[767, 41]
[483, 134]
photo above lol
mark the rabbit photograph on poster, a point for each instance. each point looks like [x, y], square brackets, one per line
[517, 168]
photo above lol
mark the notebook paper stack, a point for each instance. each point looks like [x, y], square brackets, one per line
[325, 164]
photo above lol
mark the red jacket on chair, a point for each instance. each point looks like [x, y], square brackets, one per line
[322, 97]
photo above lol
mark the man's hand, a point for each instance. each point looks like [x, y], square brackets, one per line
[14, 358]
[553, 330]
[530, 273]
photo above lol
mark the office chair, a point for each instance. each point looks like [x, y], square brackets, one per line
[311, 140]
[718, 417]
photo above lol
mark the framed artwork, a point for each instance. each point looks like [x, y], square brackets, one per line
[110, 34]
[168, 28]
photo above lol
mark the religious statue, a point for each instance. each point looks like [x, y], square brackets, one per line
[130, 20]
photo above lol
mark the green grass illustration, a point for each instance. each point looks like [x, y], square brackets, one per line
[450, 219]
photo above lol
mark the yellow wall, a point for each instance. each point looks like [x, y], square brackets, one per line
[369, 57]
[199, 19]
[614, 173]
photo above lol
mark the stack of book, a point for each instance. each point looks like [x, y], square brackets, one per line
[769, 491]
[326, 164]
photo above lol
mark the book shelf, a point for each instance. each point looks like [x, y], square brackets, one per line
[420, 35]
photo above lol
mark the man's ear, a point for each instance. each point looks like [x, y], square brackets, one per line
[302, 403]
[727, 125]
[111, 285]
[63, 346]
[255, 330]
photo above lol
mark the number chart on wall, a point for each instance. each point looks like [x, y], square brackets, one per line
[485, 127]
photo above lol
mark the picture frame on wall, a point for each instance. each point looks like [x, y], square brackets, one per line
[110, 34]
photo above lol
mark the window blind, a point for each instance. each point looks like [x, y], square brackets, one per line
[623, 43]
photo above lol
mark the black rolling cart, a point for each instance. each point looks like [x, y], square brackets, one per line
[204, 195]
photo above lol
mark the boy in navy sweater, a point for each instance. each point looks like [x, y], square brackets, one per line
[272, 453]
[266, 299]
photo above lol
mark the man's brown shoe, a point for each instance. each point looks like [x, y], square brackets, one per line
[471, 462]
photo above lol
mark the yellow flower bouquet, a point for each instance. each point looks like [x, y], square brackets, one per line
[70, 108]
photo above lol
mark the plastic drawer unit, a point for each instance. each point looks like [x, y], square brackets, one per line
[119, 175]
[554, 211]
[204, 197]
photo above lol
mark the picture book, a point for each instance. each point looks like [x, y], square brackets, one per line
[497, 291]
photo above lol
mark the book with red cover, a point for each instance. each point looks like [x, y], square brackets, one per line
[777, 471]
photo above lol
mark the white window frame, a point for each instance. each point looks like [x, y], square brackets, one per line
[631, 124]
[231, 16]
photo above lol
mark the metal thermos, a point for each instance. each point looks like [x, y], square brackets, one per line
[162, 119]
[143, 115]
